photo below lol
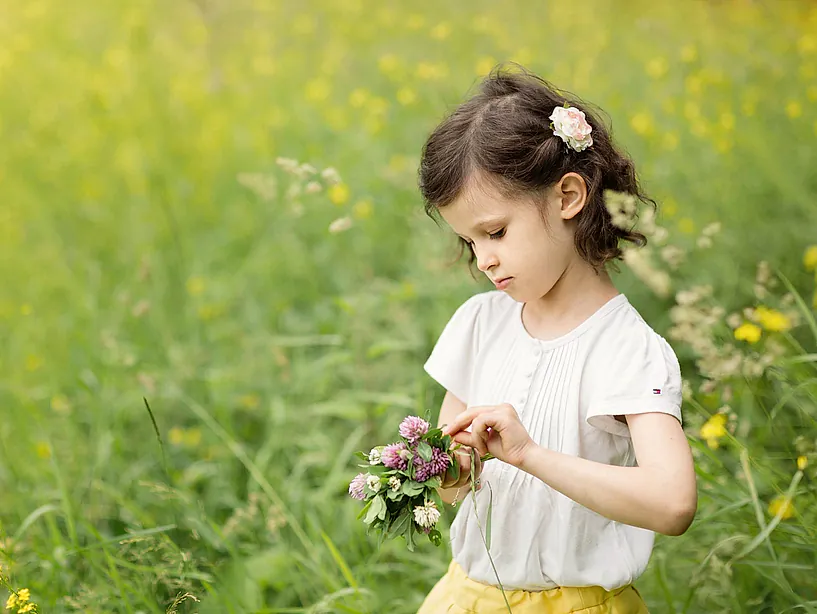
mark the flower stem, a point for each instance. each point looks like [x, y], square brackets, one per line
[481, 534]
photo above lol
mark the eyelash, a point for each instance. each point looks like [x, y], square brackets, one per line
[494, 235]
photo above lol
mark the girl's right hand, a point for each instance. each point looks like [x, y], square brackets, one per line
[463, 456]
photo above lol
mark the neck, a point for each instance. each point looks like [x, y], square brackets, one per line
[578, 293]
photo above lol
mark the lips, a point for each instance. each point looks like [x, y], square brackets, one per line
[502, 282]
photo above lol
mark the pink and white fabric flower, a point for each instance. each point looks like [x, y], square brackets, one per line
[570, 125]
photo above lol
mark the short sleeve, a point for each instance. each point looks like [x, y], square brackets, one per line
[641, 375]
[452, 360]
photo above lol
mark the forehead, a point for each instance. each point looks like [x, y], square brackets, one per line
[478, 204]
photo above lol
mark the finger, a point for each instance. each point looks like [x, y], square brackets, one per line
[466, 439]
[482, 428]
[463, 420]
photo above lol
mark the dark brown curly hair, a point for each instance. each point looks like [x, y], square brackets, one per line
[503, 135]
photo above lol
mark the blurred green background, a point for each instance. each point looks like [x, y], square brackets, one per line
[152, 247]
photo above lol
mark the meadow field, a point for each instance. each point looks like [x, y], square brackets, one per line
[208, 210]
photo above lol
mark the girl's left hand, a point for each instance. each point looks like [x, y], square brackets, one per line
[495, 429]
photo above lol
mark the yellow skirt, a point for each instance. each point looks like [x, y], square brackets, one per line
[457, 593]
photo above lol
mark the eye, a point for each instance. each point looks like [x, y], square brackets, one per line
[498, 234]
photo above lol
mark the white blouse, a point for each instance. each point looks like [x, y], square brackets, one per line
[566, 391]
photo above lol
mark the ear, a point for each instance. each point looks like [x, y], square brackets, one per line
[571, 191]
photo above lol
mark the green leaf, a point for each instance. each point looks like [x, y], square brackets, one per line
[435, 496]
[434, 434]
[410, 536]
[365, 509]
[424, 450]
[434, 482]
[362, 456]
[378, 507]
[488, 520]
[412, 488]
[383, 509]
[401, 523]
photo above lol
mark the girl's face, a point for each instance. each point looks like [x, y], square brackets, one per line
[514, 246]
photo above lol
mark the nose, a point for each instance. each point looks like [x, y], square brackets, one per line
[486, 259]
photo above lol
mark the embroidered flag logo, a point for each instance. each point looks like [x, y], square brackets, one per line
[656, 391]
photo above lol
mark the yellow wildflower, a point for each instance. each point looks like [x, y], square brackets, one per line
[713, 429]
[303, 24]
[657, 67]
[693, 84]
[60, 404]
[689, 53]
[176, 435]
[406, 96]
[781, 506]
[43, 450]
[810, 258]
[23, 595]
[33, 362]
[441, 31]
[11, 602]
[642, 123]
[377, 105]
[727, 121]
[388, 64]
[189, 438]
[363, 209]
[807, 44]
[250, 401]
[339, 193]
[670, 141]
[484, 65]
[359, 97]
[772, 320]
[317, 90]
[748, 332]
[794, 109]
[192, 437]
[195, 286]
[29, 607]
[415, 22]
[802, 463]
[210, 312]
[686, 226]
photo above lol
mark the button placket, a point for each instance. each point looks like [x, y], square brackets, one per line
[527, 380]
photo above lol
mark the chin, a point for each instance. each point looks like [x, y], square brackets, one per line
[515, 295]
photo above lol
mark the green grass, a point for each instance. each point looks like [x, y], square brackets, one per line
[138, 264]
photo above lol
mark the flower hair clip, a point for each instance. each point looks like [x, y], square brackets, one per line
[570, 125]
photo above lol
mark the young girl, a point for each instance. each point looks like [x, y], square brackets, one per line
[554, 373]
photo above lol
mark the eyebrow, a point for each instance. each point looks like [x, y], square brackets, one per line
[488, 221]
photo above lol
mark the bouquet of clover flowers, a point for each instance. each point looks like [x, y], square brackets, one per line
[401, 482]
